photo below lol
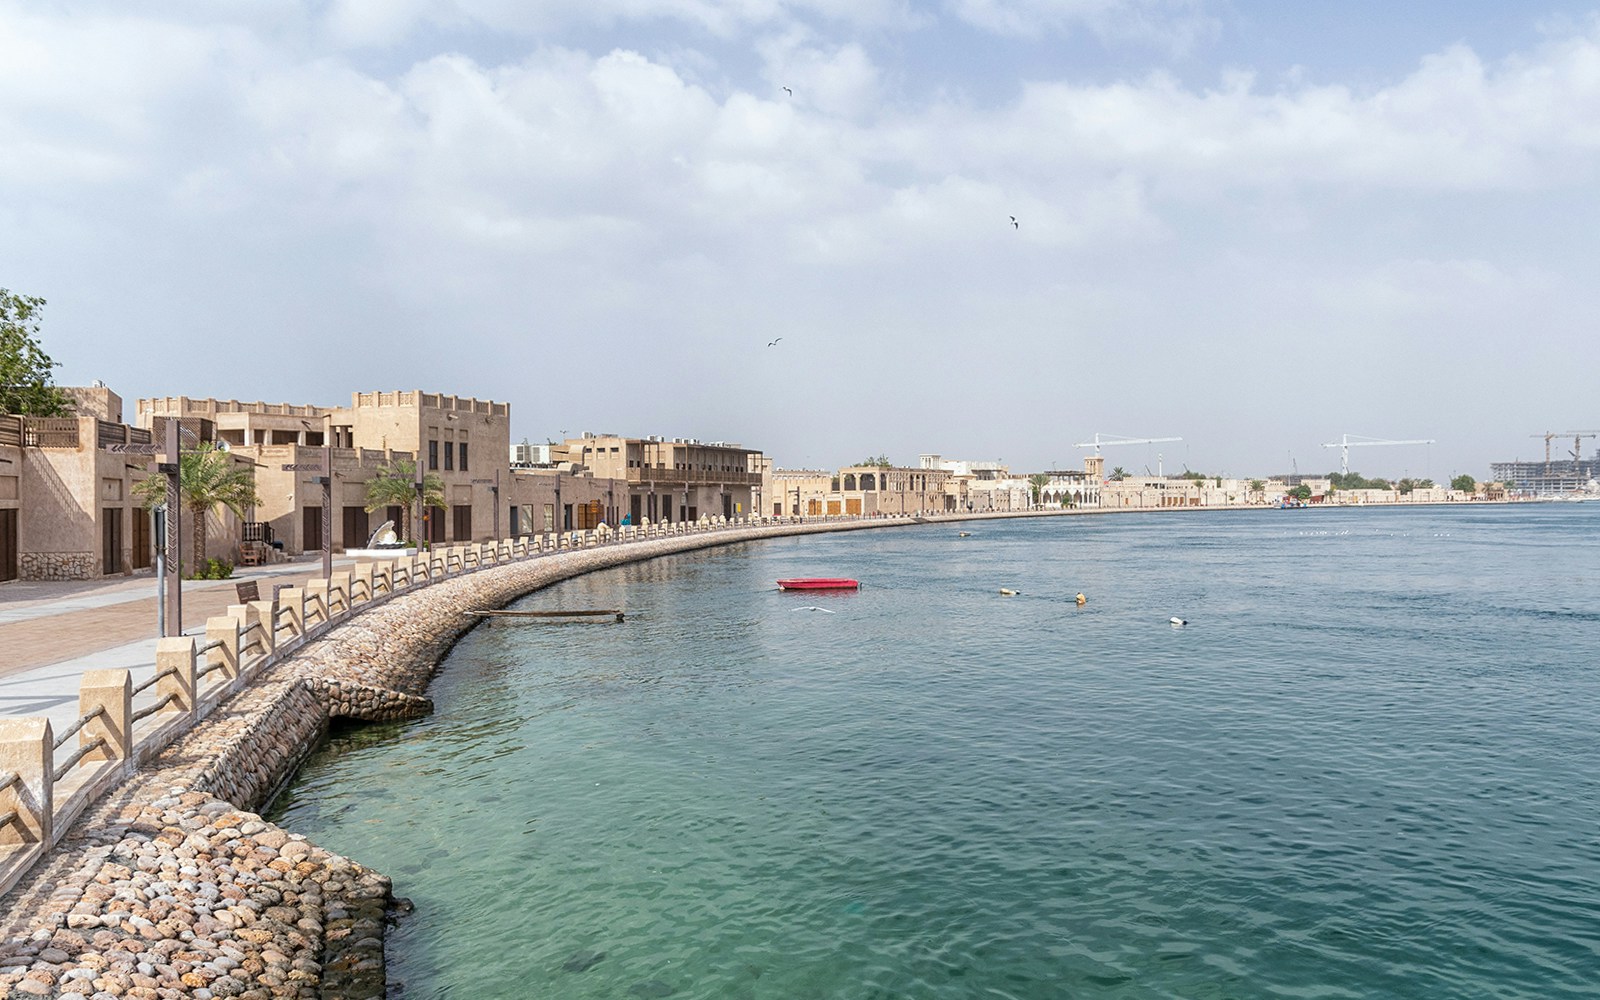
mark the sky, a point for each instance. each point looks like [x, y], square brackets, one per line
[1253, 225]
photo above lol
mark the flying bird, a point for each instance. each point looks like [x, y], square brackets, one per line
[786, 90]
[1014, 223]
[773, 343]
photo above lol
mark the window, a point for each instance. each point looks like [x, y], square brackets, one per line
[449, 456]
[463, 456]
[433, 456]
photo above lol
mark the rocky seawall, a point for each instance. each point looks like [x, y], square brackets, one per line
[172, 887]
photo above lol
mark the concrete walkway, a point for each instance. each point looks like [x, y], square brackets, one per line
[51, 632]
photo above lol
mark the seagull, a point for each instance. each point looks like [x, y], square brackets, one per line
[773, 343]
[1014, 223]
[786, 90]
[823, 610]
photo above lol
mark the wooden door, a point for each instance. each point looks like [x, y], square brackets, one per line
[110, 540]
[8, 544]
[141, 550]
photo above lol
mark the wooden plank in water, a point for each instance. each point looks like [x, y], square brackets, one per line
[548, 614]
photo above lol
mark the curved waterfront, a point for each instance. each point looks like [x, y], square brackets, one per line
[1363, 770]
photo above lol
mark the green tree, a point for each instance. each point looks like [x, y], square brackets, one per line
[1038, 481]
[395, 485]
[207, 479]
[1258, 487]
[1301, 492]
[1464, 483]
[1119, 474]
[26, 372]
[882, 462]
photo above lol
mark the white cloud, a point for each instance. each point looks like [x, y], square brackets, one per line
[1178, 25]
[645, 201]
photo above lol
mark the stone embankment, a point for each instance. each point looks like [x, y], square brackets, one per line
[171, 887]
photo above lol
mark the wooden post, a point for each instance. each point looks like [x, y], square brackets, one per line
[27, 749]
[226, 629]
[111, 690]
[176, 653]
[294, 620]
[339, 591]
[267, 633]
[318, 605]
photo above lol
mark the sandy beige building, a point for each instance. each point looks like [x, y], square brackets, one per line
[672, 479]
[463, 440]
[67, 510]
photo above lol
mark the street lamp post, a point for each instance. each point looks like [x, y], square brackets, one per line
[173, 623]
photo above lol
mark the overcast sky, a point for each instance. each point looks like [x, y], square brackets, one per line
[1255, 224]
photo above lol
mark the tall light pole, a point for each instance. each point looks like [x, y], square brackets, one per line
[174, 617]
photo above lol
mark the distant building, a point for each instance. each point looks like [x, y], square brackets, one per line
[67, 504]
[1552, 478]
[671, 480]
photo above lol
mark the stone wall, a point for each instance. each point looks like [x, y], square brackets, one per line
[58, 566]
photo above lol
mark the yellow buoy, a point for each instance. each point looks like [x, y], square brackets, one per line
[1082, 600]
[1007, 593]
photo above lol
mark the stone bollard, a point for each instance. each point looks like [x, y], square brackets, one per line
[318, 606]
[226, 630]
[361, 583]
[453, 560]
[291, 618]
[176, 653]
[27, 749]
[519, 548]
[383, 578]
[112, 691]
[265, 638]
[339, 592]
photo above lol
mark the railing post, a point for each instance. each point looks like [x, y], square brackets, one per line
[177, 653]
[317, 602]
[226, 630]
[112, 691]
[383, 578]
[268, 630]
[339, 592]
[294, 600]
[363, 576]
[27, 749]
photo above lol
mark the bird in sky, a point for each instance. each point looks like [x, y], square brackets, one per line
[786, 90]
[1014, 223]
[773, 343]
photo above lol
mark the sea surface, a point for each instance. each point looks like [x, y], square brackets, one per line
[1366, 767]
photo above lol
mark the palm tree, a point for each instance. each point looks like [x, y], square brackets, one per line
[1038, 481]
[207, 479]
[395, 485]
[1258, 487]
[1119, 474]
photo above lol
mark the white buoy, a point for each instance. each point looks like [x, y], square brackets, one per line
[1005, 592]
[1177, 622]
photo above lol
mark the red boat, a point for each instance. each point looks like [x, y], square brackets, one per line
[818, 583]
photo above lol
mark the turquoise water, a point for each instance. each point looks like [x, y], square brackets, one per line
[1366, 768]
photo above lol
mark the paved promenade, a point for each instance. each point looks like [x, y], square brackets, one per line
[50, 632]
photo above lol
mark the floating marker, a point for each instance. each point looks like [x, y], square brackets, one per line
[1176, 621]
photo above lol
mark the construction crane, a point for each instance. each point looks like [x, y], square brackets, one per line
[1577, 444]
[1118, 439]
[1348, 441]
[1101, 440]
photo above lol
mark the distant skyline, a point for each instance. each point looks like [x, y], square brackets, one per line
[1256, 226]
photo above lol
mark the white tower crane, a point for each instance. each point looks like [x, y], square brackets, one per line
[1111, 439]
[1348, 441]
[1096, 465]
